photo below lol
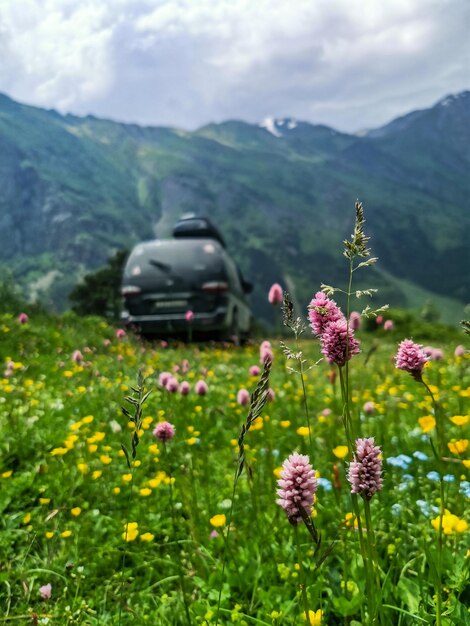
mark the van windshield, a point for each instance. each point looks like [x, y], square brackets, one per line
[176, 258]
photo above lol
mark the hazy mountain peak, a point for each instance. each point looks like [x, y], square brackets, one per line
[277, 127]
[451, 99]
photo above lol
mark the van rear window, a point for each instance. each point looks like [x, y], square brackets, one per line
[178, 256]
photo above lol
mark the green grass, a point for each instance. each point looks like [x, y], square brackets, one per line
[50, 403]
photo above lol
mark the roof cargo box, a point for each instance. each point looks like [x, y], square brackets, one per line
[199, 227]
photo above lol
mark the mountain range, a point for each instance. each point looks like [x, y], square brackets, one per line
[73, 190]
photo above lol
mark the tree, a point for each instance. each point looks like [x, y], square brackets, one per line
[99, 292]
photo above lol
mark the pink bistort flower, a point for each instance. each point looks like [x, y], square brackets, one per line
[322, 311]
[369, 407]
[164, 431]
[46, 591]
[459, 351]
[297, 487]
[172, 385]
[184, 388]
[201, 388]
[77, 356]
[365, 472]
[189, 316]
[411, 358]
[23, 318]
[120, 333]
[388, 325]
[338, 343]
[265, 352]
[243, 397]
[355, 320]
[275, 294]
[254, 370]
[163, 378]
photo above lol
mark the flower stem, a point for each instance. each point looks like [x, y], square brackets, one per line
[175, 529]
[303, 587]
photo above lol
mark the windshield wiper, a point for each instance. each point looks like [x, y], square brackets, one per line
[161, 266]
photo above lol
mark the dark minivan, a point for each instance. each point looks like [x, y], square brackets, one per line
[164, 279]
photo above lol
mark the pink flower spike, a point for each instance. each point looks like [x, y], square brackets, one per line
[369, 407]
[243, 397]
[77, 356]
[355, 320]
[23, 318]
[120, 333]
[163, 378]
[322, 311]
[388, 325]
[411, 358]
[275, 294]
[189, 316]
[184, 388]
[46, 591]
[164, 431]
[459, 351]
[265, 352]
[297, 487]
[338, 343]
[172, 385]
[254, 370]
[365, 472]
[379, 320]
[201, 388]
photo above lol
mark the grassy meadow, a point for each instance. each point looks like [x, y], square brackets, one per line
[87, 539]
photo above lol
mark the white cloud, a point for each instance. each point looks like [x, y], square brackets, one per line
[348, 63]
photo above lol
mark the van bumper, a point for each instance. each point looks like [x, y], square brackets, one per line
[165, 324]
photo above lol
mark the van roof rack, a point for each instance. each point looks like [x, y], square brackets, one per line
[196, 226]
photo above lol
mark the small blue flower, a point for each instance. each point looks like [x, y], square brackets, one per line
[465, 488]
[426, 509]
[433, 476]
[448, 478]
[402, 461]
[396, 509]
[325, 484]
[420, 456]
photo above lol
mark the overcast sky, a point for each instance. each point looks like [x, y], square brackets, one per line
[350, 64]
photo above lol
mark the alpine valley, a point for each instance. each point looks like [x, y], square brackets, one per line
[74, 190]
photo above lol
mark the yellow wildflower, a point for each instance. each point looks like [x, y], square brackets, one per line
[284, 423]
[76, 511]
[218, 520]
[457, 447]
[131, 531]
[427, 423]
[147, 537]
[144, 492]
[66, 533]
[314, 617]
[303, 431]
[450, 523]
[340, 451]
[59, 451]
[460, 420]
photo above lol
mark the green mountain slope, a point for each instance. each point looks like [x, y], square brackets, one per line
[74, 190]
